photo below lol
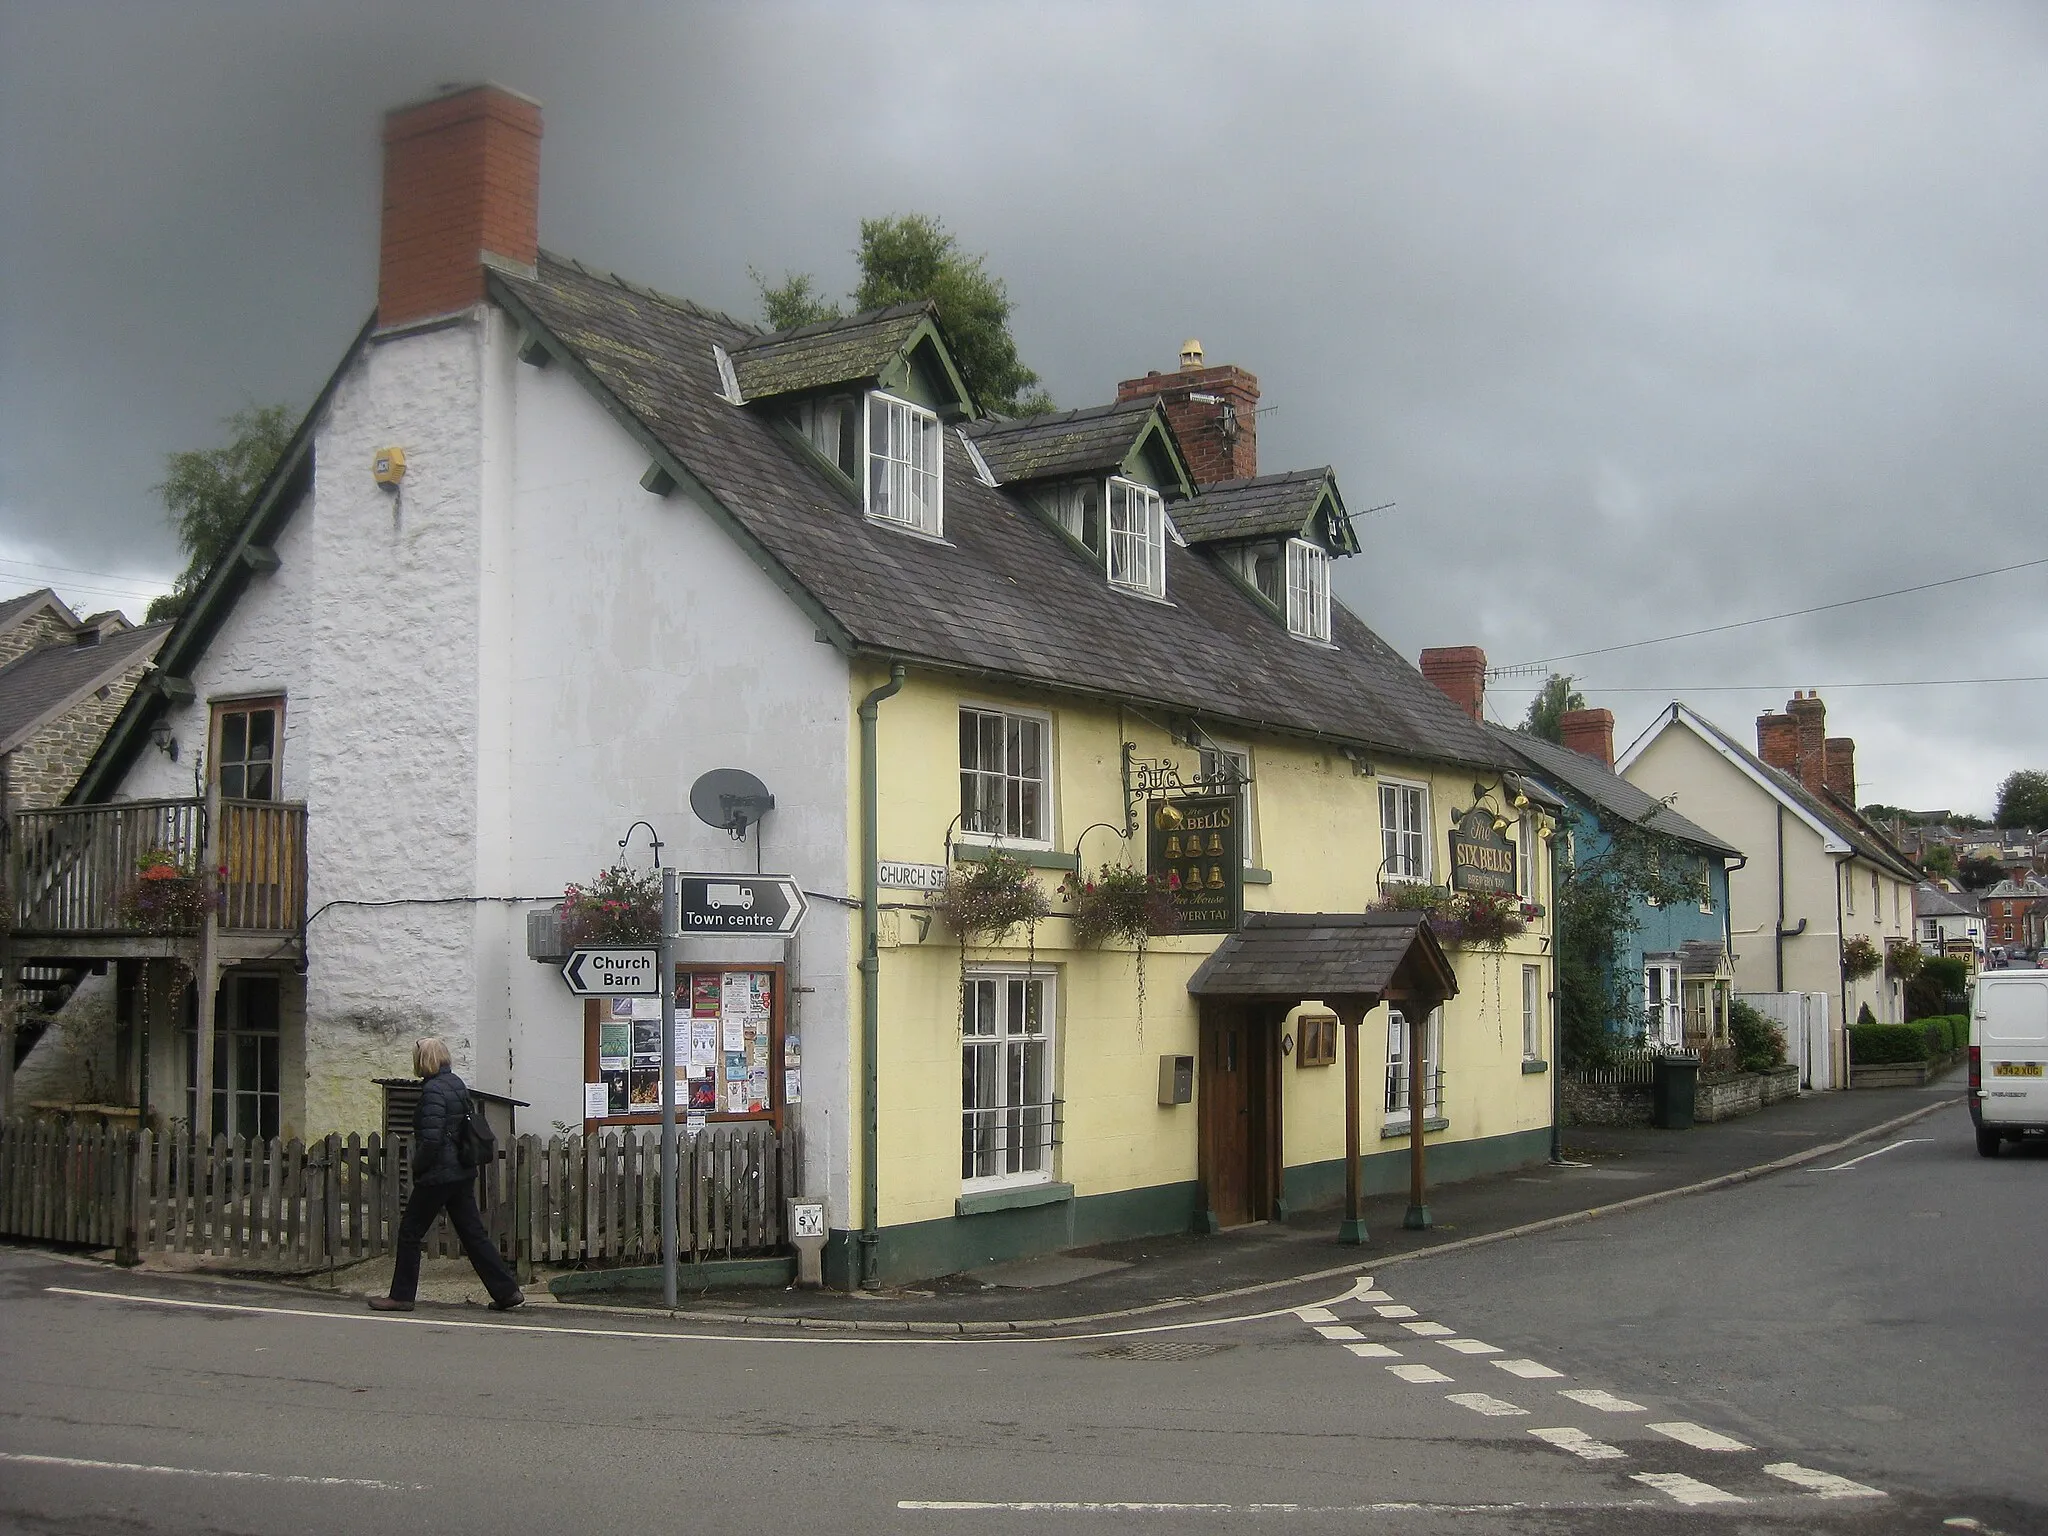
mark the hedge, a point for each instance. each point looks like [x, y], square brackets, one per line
[1880, 1045]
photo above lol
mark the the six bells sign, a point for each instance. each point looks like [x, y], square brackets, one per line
[1482, 859]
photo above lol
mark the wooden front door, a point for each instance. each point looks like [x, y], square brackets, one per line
[1233, 1085]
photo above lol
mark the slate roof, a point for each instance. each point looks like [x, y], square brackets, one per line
[20, 607]
[38, 687]
[1004, 593]
[1323, 955]
[1930, 900]
[1846, 825]
[1701, 957]
[1607, 790]
[1095, 440]
[1249, 509]
[826, 353]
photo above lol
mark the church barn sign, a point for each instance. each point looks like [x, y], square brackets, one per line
[1197, 845]
[1482, 858]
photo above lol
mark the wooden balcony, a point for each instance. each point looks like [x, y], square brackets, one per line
[141, 877]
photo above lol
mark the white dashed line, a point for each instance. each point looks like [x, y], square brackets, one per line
[1480, 1402]
[1824, 1484]
[1429, 1330]
[1338, 1331]
[1580, 1444]
[1373, 1296]
[1421, 1374]
[1470, 1346]
[1688, 1490]
[1316, 1315]
[1374, 1351]
[1699, 1437]
[1395, 1310]
[1593, 1397]
[81, 1464]
[1528, 1369]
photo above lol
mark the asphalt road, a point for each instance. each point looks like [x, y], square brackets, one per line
[1855, 1349]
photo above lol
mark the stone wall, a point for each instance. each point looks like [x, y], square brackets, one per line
[1742, 1093]
[41, 771]
[1603, 1104]
[32, 634]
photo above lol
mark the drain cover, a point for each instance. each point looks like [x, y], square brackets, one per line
[1162, 1349]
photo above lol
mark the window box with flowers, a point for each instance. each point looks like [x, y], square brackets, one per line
[167, 894]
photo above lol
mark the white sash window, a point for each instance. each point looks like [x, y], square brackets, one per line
[905, 480]
[1137, 538]
[1308, 591]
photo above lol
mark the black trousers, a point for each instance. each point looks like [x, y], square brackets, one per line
[459, 1201]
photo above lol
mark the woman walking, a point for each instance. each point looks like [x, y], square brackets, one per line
[440, 1183]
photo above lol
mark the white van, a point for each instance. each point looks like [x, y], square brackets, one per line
[2009, 1057]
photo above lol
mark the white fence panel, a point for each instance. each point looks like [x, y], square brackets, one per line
[1809, 1030]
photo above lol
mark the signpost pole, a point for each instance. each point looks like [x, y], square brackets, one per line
[670, 921]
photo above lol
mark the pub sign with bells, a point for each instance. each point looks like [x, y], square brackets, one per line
[1196, 844]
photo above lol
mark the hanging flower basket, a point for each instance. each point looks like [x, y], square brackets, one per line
[986, 900]
[1127, 905]
[621, 906]
[1860, 958]
[166, 895]
[1902, 961]
[1459, 919]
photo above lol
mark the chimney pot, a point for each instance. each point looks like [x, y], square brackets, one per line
[1190, 355]
[1460, 672]
[1589, 732]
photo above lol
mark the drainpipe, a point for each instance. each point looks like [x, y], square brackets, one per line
[1842, 976]
[871, 981]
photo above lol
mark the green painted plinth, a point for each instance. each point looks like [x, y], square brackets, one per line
[1417, 1219]
[1352, 1230]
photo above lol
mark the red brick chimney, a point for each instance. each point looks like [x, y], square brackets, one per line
[1840, 755]
[1777, 742]
[1796, 741]
[1460, 671]
[1589, 732]
[1213, 412]
[461, 191]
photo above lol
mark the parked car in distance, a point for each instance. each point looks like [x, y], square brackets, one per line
[2008, 1094]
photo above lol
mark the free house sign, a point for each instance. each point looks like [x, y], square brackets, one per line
[1482, 858]
[1196, 843]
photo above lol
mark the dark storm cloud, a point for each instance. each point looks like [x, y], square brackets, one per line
[1647, 318]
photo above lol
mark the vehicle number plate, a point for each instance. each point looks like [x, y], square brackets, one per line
[2016, 1069]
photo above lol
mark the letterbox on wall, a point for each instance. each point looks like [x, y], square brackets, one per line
[1176, 1079]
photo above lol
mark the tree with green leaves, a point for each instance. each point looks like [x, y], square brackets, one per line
[206, 493]
[1939, 860]
[1552, 700]
[913, 256]
[2023, 799]
[1979, 874]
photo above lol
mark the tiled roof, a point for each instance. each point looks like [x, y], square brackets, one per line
[1004, 593]
[1249, 509]
[1593, 781]
[1322, 955]
[826, 353]
[15, 608]
[1096, 440]
[44, 683]
[1701, 957]
[1930, 900]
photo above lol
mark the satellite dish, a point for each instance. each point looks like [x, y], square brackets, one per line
[730, 799]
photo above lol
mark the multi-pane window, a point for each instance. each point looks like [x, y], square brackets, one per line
[1398, 1035]
[1233, 766]
[904, 464]
[1404, 832]
[1527, 848]
[1008, 1119]
[1137, 538]
[1663, 1018]
[1077, 507]
[245, 739]
[1003, 762]
[1532, 1013]
[1308, 590]
[245, 1060]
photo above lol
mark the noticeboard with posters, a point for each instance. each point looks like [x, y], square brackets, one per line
[735, 1056]
[1196, 843]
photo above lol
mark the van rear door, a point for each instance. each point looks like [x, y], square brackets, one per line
[2012, 1037]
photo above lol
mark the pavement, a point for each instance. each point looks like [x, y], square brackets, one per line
[1604, 1170]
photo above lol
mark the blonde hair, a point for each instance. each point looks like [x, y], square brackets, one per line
[430, 1056]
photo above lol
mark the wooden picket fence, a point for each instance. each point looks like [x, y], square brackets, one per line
[287, 1206]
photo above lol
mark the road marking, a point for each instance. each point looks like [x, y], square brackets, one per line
[1373, 1295]
[1880, 1152]
[1687, 1490]
[1396, 1310]
[238, 1477]
[1315, 1314]
[1825, 1484]
[1373, 1351]
[1580, 1444]
[1339, 1331]
[1526, 1368]
[1593, 1397]
[1132, 1507]
[1470, 1346]
[1699, 1437]
[1480, 1402]
[1420, 1374]
[1429, 1330]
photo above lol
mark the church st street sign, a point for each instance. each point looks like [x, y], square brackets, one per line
[1482, 858]
[613, 972]
[1197, 844]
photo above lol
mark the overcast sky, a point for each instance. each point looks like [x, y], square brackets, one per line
[1646, 318]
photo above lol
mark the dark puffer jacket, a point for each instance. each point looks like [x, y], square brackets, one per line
[444, 1103]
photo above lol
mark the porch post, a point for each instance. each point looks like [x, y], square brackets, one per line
[1353, 1228]
[1417, 1218]
[206, 974]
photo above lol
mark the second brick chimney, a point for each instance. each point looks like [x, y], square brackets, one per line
[1213, 412]
[1589, 732]
[461, 193]
[1796, 741]
[1840, 756]
[1460, 671]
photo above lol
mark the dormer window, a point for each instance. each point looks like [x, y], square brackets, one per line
[904, 482]
[1308, 591]
[1137, 538]
[1077, 507]
[832, 426]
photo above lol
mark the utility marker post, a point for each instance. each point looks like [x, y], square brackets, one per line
[671, 920]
